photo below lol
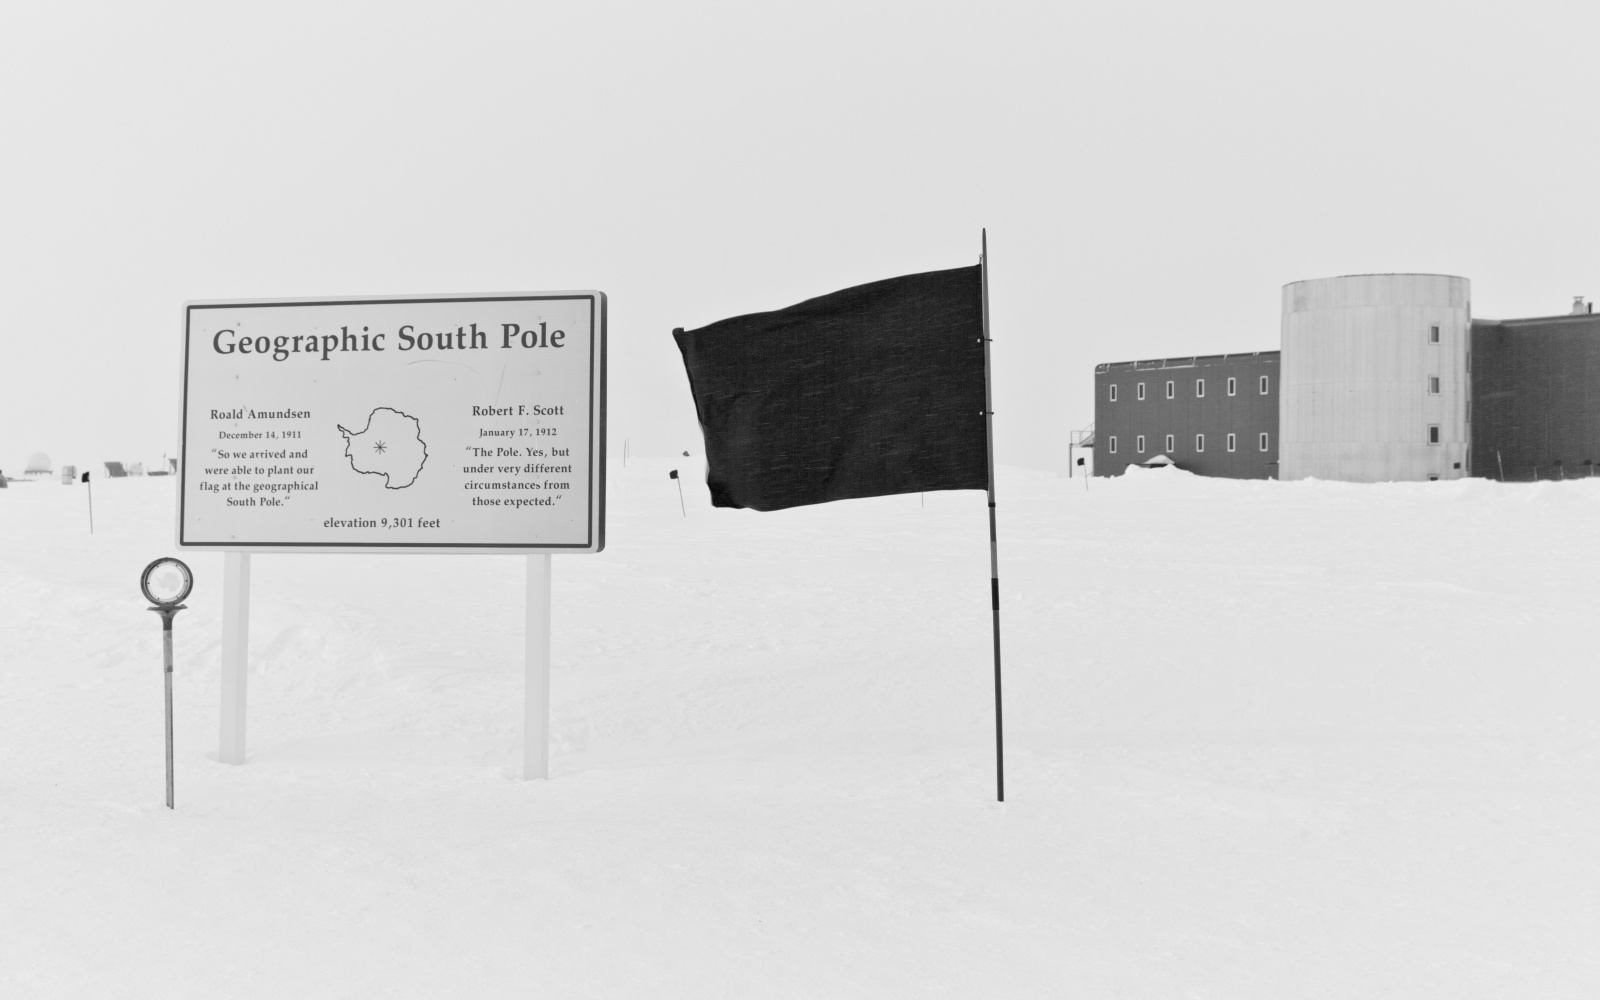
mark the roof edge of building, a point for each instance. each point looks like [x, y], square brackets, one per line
[1379, 274]
[1187, 360]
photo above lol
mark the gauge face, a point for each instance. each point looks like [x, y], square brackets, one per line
[166, 581]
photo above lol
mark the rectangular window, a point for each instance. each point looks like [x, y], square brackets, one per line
[1233, 386]
[1138, 444]
[1169, 444]
[1469, 363]
[1232, 441]
[1469, 413]
[1263, 440]
[1139, 391]
[1199, 442]
[1433, 433]
[1200, 388]
[1433, 385]
[1113, 392]
[1433, 335]
[1172, 390]
[1263, 385]
[1113, 443]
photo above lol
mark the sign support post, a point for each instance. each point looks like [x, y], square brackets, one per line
[235, 654]
[536, 696]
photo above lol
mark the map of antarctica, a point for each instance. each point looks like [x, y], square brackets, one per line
[390, 446]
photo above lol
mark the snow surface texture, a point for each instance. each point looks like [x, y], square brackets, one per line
[1265, 740]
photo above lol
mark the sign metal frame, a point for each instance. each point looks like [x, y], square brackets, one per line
[596, 437]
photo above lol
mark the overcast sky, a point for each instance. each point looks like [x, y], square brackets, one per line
[1150, 175]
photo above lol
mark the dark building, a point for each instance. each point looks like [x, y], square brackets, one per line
[1215, 415]
[1535, 409]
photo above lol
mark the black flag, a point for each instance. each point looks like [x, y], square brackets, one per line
[673, 474]
[869, 391]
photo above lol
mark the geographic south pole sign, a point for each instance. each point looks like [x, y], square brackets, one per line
[447, 423]
[468, 424]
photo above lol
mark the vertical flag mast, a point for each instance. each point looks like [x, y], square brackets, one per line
[994, 548]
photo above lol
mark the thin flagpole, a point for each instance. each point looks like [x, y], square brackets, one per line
[994, 547]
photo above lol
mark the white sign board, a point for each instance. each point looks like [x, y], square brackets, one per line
[465, 423]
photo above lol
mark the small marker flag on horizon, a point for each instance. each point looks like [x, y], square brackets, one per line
[674, 475]
[869, 391]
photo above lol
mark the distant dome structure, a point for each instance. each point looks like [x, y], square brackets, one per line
[38, 463]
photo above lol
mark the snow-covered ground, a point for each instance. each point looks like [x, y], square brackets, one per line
[1264, 740]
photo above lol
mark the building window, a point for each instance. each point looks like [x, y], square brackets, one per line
[1469, 361]
[1139, 391]
[1113, 392]
[1263, 440]
[1232, 441]
[1433, 334]
[1113, 443]
[1170, 447]
[1469, 411]
[1433, 433]
[1233, 386]
[1138, 444]
[1263, 385]
[1433, 385]
[1199, 442]
[1200, 388]
[1172, 390]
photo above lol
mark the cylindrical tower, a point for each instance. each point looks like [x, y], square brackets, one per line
[1374, 378]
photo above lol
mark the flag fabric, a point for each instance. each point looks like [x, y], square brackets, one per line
[869, 391]
[673, 474]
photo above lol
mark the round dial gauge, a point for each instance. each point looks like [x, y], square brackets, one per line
[166, 582]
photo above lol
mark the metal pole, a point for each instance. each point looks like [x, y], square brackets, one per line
[235, 656]
[681, 507]
[994, 546]
[90, 484]
[166, 646]
[536, 673]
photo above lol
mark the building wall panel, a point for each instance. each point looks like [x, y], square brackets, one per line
[1356, 362]
[1246, 414]
[1536, 397]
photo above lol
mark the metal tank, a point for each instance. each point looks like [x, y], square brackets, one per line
[1375, 378]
